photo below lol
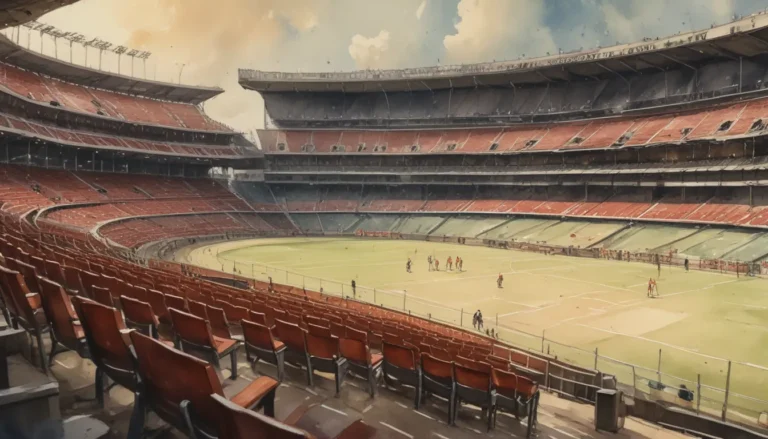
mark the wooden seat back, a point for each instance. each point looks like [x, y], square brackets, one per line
[199, 309]
[505, 382]
[88, 280]
[399, 356]
[217, 318]
[292, 335]
[526, 387]
[436, 367]
[138, 312]
[320, 331]
[474, 379]
[156, 300]
[170, 376]
[30, 276]
[55, 272]
[322, 347]
[102, 295]
[60, 312]
[177, 302]
[72, 280]
[7, 294]
[239, 423]
[102, 326]
[39, 265]
[257, 317]
[191, 328]
[355, 350]
[234, 313]
[258, 335]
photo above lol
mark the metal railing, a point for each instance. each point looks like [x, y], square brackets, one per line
[728, 390]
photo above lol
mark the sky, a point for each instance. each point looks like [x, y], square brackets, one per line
[212, 39]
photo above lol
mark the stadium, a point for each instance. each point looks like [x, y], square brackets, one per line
[604, 211]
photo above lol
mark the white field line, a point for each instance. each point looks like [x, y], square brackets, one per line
[527, 311]
[559, 302]
[491, 299]
[484, 276]
[673, 346]
[746, 305]
[594, 313]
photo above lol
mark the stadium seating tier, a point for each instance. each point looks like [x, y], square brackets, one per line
[731, 120]
[118, 106]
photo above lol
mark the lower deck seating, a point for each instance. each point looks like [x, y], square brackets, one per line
[56, 134]
[328, 331]
[89, 216]
[134, 232]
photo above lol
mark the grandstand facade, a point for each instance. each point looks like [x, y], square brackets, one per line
[668, 130]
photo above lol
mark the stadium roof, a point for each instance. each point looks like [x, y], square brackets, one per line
[743, 38]
[18, 12]
[13, 54]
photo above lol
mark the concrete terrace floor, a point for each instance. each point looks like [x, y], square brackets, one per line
[391, 412]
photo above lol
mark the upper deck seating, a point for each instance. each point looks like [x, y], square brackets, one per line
[105, 103]
[726, 120]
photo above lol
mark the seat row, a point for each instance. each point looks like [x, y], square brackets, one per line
[739, 119]
[180, 388]
[89, 216]
[109, 104]
[279, 325]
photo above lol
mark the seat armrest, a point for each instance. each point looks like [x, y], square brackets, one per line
[255, 391]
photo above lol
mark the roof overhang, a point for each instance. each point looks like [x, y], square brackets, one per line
[18, 12]
[13, 54]
[743, 38]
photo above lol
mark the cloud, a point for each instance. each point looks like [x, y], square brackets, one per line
[212, 39]
[420, 10]
[489, 29]
[368, 52]
[633, 20]
[215, 38]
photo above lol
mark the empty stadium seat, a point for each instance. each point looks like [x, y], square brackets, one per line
[195, 336]
[260, 344]
[178, 388]
[66, 329]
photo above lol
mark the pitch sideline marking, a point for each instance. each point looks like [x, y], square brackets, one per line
[749, 306]
[673, 346]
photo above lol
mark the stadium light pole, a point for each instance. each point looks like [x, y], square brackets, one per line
[74, 38]
[180, 71]
[102, 45]
[132, 53]
[119, 50]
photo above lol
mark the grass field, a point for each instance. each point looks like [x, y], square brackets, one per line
[699, 319]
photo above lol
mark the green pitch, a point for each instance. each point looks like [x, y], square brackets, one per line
[577, 304]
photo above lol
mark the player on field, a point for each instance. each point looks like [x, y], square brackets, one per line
[459, 263]
[429, 261]
[500, 281]
[408, 265]
[437, 265]
[652, 291]
[449, 264]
